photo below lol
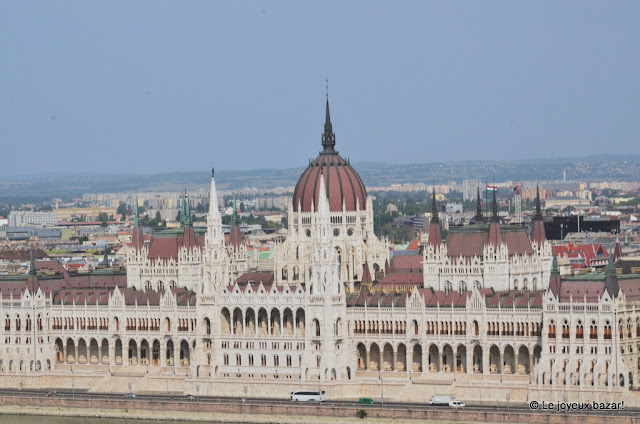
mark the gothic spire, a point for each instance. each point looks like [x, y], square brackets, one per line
[234, 214]
[538, 213]
[554, 265]
[478, 219]
[610, 269]
[494, 208]
[328, 137]
[136, 222]
[434, 209]
[32, 263]
[185, 215]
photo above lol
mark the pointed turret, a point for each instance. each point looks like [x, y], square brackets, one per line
[328, 137]
[494, 208]
[537, 230]
[105, 259]
[611, 278]
[185, 216]
[495, 233]
[617, 250]
[32, 263]
[234, 214]
[555, 280]
[366, 274]
[136, 215]
[137, 238]
[214, 219]
[478, 219]
[235, 235]
[435, 235]
[323, 200]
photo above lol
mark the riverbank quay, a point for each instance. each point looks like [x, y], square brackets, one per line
[289, 413]
[169, 415]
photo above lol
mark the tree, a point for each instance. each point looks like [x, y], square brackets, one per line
[124, 209]
[103, 218]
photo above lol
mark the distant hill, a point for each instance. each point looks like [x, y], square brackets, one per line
[591, 168]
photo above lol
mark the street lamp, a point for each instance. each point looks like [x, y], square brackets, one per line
[381, 392]
[73, 384]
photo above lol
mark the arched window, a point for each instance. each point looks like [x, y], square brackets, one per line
[462, 287]
[447, 287]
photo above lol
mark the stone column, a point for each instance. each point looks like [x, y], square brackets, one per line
[112, 353]
[517, 362]
[176, 357]
[163, 356]
[367, 364]
[440, 359]
[138, 351]
[395, 361]
[501, 365]
[530, 363]
[485, 363]
[100, 354]
[65, 360]
[409, 364]
[76, 359]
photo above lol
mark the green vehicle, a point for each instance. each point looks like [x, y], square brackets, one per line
[366, 401]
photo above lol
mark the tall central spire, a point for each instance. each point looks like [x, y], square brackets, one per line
[328, 137]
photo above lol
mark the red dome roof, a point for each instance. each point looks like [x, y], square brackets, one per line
[342, 182]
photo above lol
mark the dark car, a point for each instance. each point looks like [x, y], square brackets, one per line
[189, 397]
[366, 401]
[129, 395]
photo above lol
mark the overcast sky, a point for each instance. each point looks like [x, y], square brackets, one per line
[152, 86]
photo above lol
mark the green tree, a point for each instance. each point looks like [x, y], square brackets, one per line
[103, 218]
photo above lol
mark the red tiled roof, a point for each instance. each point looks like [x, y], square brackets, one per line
[167, 247]
[402, 279]
[631, 288]
[409, 263]
[266, 278]
[577, 290]
[471, 243]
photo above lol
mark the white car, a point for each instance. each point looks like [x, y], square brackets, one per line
[456, 404]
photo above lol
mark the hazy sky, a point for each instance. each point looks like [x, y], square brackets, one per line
[152, 86]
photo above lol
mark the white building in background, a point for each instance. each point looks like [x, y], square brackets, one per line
[20, 218]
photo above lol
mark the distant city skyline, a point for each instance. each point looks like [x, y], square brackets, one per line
[150, 88]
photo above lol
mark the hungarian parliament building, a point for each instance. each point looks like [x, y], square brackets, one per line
[484, 305]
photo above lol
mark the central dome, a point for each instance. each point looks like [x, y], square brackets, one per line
[343, 184]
